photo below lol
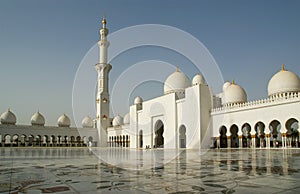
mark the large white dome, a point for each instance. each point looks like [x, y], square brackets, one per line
[176, 82]
[38, 119]
[127, 118]
[8, 118]
[87, 122]
[283, 81]
[198, 79]
[117, 121]
[234, 93]
[64, 121]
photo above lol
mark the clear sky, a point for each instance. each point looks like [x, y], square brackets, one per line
[43, 42]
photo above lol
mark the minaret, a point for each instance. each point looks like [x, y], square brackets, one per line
[102, 101]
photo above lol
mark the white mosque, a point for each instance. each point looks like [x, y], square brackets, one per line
[188, 115]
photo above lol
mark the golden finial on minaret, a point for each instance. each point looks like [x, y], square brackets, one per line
[177, 70]
[282, 67]
[232, 82]
[104, 22]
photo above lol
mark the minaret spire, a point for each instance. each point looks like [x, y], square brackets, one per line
[102, 101]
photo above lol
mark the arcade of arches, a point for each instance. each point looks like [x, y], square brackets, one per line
[118, 141]
[23, 140]
[262, 135]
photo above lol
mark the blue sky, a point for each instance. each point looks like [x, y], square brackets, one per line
[43, 42]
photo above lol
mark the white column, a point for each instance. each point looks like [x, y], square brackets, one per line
[240, 141]
[283, 138]
[218, 142]
[253, 141]
[228, 141]
[268, 144]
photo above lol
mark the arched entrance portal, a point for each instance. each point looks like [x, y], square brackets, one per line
[275, 133]
[182, 137]
[223, 137]
[260, 135]
[7, 140]
[246, 128]
[292, 132]
[234, 136]
[159, 138]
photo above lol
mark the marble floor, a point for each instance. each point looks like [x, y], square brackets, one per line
[84, 170]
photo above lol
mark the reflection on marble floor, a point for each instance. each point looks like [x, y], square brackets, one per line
[78, 170]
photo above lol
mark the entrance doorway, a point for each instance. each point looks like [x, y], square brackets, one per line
[182, 136]
[159, 138]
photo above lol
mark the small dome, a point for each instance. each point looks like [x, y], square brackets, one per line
[64, 121]
[117, 121]
[8, 118]
[234, 94]
[127, 118]
[138, 100]
[38, 119]
[198, 79]
[176, 82]
[225, 85]
[283, 81]
[87, 122]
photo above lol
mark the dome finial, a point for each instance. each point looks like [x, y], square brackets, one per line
[232, 82]
[282, 67]
[104, 21]
[177, 70]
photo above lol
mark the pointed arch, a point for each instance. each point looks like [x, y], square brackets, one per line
[260, 140]
[223, 137]
[15, 140]
[7, 140]
[182, 136]
[275, 139]
[159, 137]
[292, 127]
[234, 136]
[246, 129]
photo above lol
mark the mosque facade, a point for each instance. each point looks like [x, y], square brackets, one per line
[188, 115]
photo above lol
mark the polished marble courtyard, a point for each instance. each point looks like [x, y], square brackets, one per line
[84, 170]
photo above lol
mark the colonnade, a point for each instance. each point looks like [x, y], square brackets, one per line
[119, 141]
[259, 136]
[45, 141]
